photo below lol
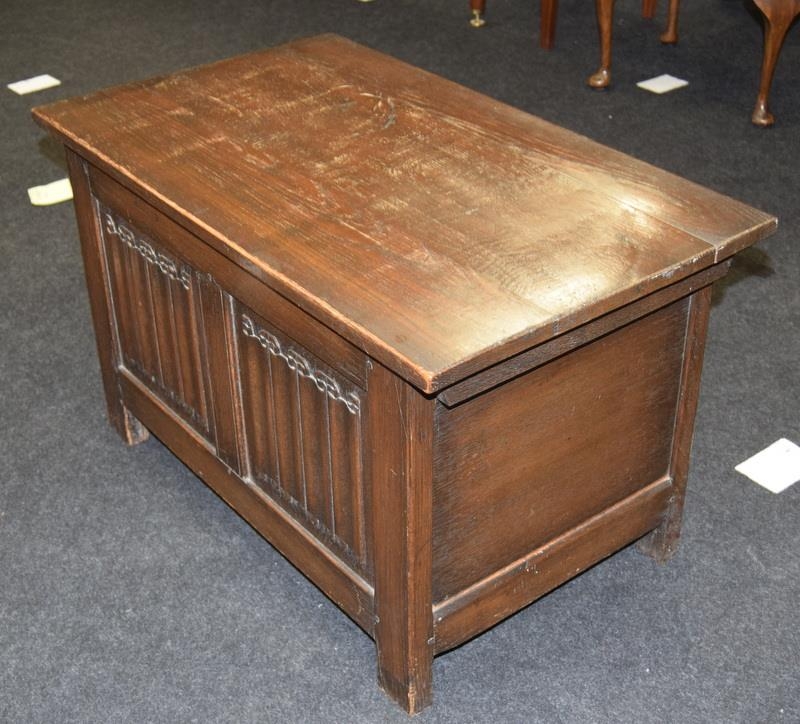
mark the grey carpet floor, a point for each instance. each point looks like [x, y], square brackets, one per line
[130, 593]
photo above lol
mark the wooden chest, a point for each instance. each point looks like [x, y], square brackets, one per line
[440, 353]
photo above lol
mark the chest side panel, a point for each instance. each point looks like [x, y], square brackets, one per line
[532, 459]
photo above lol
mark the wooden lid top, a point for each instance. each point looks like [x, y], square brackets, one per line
[437, 229]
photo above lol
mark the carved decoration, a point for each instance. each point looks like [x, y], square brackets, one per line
[300, 365]
[157, 321]
[158, 259]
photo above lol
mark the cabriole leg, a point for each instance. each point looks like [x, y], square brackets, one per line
[601, 78]
[670, 35]
[778, 16]
[478, 8]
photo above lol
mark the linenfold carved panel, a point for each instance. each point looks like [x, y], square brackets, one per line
[300, 418]
[303, 432]
[156, 306]
[301, 366]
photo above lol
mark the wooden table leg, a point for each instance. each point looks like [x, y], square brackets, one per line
[670, 35]
[547, 23]
[478, 7]
[605, 16]
[778, 16]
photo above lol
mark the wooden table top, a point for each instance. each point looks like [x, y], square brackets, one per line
[435, 228]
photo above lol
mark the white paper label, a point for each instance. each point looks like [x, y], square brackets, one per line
[31, 85]
[52, 193]
[662, 84]
[776, 467]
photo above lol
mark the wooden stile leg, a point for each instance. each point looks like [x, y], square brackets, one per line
[400, 436]
[128, 427]
[662, 542]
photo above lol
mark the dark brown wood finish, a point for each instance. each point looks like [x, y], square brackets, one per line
[670, 34]
[100, 303]
[450, 232]
[549, 13]
[352, 593]
[547, 23]
[778, 18]
[530, 459]
[539, 355]
[662, 542]
[443, 355]
[401, 437]
[779, 15]
[157, 305]
[178, 242]
[507, 590]
[221, 366]
[302, 429]
[604, 10]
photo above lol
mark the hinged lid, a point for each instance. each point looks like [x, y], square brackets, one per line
[437, 229]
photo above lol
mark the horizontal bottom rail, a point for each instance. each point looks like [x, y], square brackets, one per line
[490, 600]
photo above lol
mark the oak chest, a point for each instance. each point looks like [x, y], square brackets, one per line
[440, 353]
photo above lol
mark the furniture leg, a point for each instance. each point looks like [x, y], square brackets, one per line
[662, 542]
[648, 8]
[478, 8]
[670, 35]
[128, 427]
[547, 23]
[605, 15]
[778, 16]
[400, 431]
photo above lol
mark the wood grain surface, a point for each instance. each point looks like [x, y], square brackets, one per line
[436, 229]
[527, 461]
[289, 252]
[400, 435]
